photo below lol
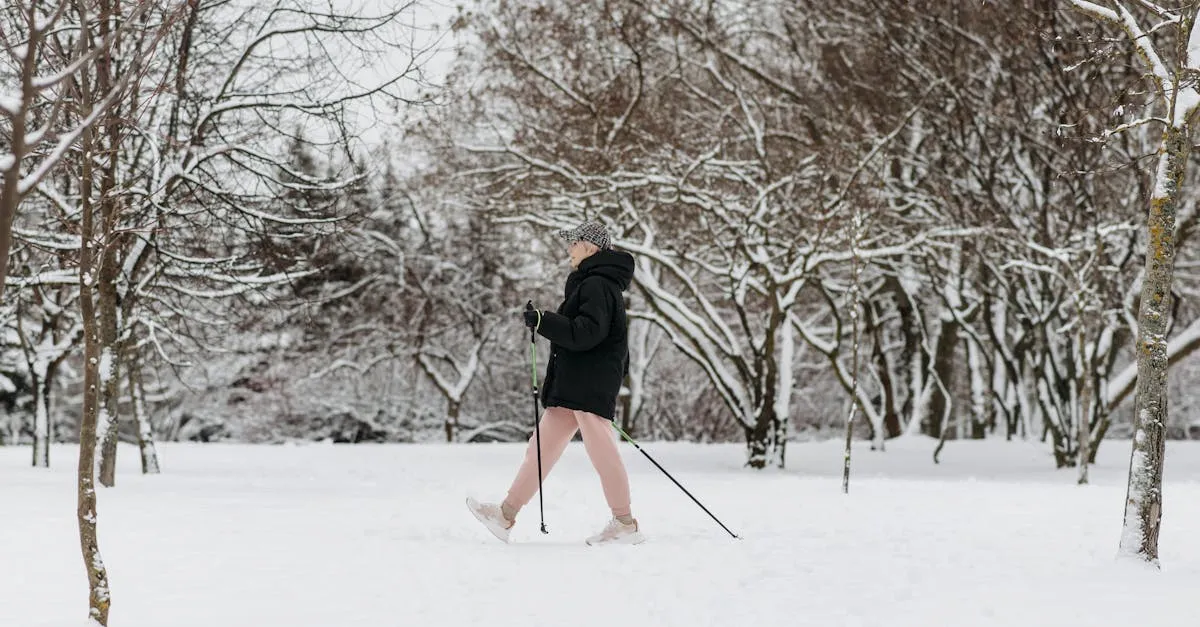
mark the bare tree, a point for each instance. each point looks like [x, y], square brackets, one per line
[142, 419]
[855, 306]
[55, 335]
[731, 199]
[40, 132]
[1177, 100]
[224, 150]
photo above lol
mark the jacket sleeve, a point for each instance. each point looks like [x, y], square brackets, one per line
[586, 330]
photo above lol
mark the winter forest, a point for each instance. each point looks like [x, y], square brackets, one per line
[863, 231]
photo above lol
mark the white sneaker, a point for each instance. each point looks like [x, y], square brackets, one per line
[490, 515]
[616, 532]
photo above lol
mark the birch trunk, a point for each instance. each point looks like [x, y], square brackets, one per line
[853, 373]
[141, 419]
[783, 392]
[639, 360]
[1083, 423]
[41, 418]
[1143, 506]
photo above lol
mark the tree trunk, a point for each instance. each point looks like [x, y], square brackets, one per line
[452, 412]
[627, 423]
[854, 300]
[978, 419]
[766, 439]
[937, 450]
[779, 435]
[1103, 422]
[109, 274]
[913, 360]
[1084, 422]
[1029, 409]
[99, 598]
[141, 419]
[784, 378]
[1085, 455]
[107, 422]
[41, 419]
[943, 370]
[640, 353]
[1143, 509]
[887, 380]
[761, 445]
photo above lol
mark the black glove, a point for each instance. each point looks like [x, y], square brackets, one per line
[533, 317]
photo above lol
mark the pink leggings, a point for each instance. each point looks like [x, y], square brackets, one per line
[558, 426]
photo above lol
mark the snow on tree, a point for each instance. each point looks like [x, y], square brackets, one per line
[43, 64]
[1177, 98]
[730, 201]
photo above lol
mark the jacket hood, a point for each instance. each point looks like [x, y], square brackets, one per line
[614, 265]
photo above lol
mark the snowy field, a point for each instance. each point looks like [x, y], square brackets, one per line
[378, 536]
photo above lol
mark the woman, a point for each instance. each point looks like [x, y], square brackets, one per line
[588, 358]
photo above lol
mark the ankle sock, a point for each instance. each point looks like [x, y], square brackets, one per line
[625, 519]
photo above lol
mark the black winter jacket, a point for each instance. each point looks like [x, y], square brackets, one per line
[589, 336]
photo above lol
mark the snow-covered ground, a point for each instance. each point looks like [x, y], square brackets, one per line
[358, 536]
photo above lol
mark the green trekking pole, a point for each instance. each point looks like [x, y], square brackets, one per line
[537, 429]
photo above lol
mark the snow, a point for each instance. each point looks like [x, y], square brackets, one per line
[1185, 105]
[373, 535]
[1131, 535]
[10, 104]
[1192, 61]
[106, 365]
[1162, 177]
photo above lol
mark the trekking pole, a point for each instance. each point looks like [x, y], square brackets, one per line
[537, 428]
[664, 471]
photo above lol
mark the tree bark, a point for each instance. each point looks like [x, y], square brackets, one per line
[452, 412]
[760, 440]
[767, 444]
[99, 598]
[944, 363]
[854, 322]
[892, 426]
[109, 273]
[109, 398]
[1084, 421]
[41, 418]
[1143, 503]
[141, 418]
[627, 422]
